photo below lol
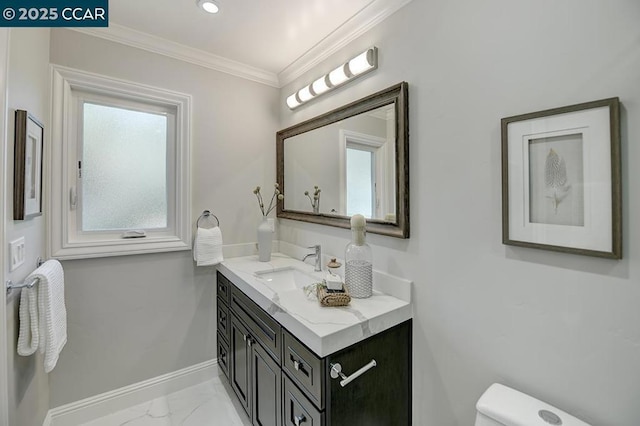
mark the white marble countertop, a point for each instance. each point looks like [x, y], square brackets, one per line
[324, 330]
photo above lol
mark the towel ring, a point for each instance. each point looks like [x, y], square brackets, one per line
[207, 215]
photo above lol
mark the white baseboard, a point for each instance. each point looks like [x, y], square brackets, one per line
[101, 405]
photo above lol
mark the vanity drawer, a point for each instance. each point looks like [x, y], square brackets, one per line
[223, 355]
[222, 320]
[264, 328]
[298, 410]
[304, 367]
[223, 288]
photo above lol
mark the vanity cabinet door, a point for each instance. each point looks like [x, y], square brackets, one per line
[223, 355]
[298, 410]
[240, 365]
[223, 288]
[382, 395]
[222, 320]
[267, 379]
[262, 326]
[303, 367]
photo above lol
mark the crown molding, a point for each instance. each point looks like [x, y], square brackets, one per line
[127, 36]
[374, 13]
[371, 15]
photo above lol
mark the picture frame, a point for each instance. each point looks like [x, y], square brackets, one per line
[561, 179]
[27, 171]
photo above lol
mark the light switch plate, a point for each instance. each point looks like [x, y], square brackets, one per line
[17, 253]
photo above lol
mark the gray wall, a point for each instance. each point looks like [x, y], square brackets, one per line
[136, 317]
[564, 328]
[28, 84]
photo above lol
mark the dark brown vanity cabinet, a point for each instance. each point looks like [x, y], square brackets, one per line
[254, 374]
[240, 366]
[223, 324]
[281, 382]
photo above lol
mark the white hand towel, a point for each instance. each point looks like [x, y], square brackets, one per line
[52, 311]
[207, 248]
[29, 334]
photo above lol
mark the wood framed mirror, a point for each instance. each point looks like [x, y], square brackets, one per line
[354, 159]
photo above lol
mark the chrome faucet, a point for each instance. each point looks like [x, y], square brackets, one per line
[318, 255]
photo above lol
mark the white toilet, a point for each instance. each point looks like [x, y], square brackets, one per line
[503, 406]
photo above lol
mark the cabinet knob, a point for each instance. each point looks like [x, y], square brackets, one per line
[298, 420]
[296, 365]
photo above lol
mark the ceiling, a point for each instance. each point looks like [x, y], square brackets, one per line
[278, 39]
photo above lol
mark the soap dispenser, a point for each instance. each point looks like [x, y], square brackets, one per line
[358, 269]
[333, 279]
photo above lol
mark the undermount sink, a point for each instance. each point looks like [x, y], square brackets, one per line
[288, 278]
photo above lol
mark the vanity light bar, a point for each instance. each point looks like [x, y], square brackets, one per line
[355, 67]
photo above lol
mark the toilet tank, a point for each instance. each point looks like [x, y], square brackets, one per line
[503, 406]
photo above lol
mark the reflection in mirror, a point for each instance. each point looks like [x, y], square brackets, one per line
[351, 163]
[350, 160]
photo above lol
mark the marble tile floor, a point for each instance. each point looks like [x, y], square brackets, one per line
[206, 404]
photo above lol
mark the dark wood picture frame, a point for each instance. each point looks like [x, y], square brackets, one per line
[398, 95]
[594, 127]
[27, 166]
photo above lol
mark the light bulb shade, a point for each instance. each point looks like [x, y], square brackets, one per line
[208, 6]
[293, 102]
[305, 94]
[338, 76]
[320, 85]
[364, 62]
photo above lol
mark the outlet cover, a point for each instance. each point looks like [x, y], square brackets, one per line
[272, 224]
[17, 254]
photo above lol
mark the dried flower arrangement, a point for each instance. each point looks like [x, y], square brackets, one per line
[277, 196]
[315, 201]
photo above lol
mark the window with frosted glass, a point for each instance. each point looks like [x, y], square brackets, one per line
[123, 169]
[360, 182]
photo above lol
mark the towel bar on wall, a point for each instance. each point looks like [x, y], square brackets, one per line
[28, 284]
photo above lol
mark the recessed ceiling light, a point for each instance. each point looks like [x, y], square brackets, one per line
[208, 6]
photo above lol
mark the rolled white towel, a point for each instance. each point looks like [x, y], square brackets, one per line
[43, 314]
[29, 333]
[52, 311]
[207, 248]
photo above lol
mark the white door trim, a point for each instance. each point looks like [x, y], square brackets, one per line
[4, 386]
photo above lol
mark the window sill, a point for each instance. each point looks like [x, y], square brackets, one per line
[119, 248]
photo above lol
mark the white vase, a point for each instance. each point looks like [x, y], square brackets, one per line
[265, 237]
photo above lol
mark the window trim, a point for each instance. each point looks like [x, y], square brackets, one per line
[61, 243]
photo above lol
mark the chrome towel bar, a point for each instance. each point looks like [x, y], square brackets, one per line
[336, 371]
[25, 284]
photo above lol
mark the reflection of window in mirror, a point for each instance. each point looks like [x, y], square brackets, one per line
[361, 183]
[364, 186]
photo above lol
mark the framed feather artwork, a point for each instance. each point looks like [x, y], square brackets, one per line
[561, 176]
